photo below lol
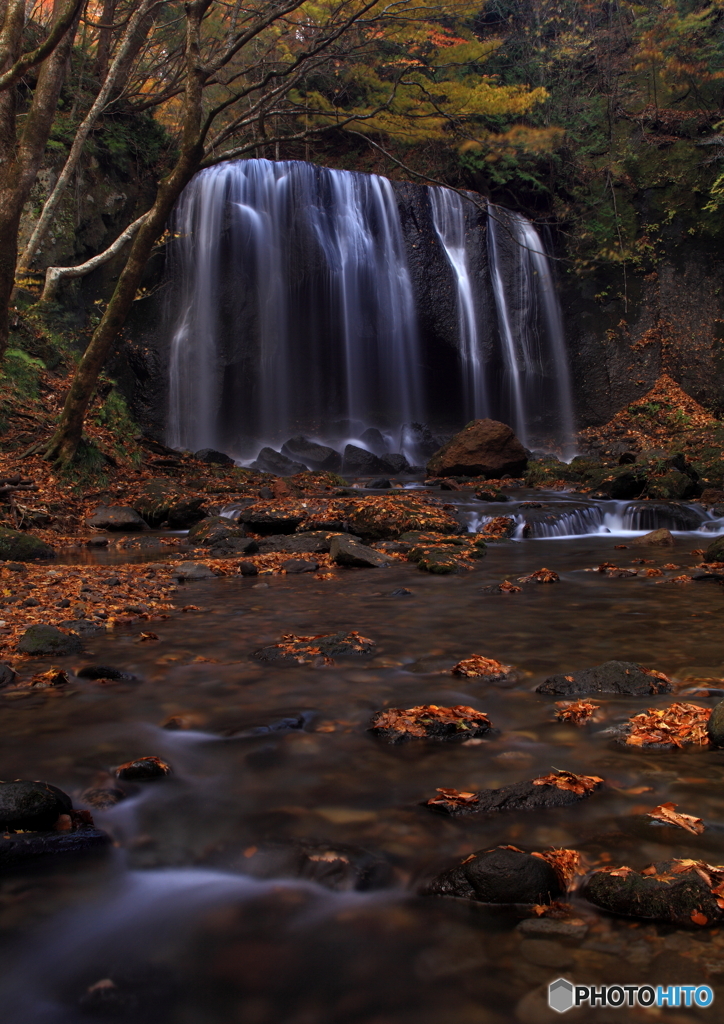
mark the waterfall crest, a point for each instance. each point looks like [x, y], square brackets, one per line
[293, 310]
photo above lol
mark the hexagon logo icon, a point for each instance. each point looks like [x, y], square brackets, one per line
[560, 995]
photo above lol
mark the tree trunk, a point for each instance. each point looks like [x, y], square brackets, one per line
[64, 443]
[20, 160]
[105, 37]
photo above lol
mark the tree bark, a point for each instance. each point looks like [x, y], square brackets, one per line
[131, 43]
[20, 158]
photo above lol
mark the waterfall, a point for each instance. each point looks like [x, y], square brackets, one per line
[536, 375]
[292, 309]
[448, 216]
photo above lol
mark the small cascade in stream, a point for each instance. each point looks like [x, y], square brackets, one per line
[293, 309]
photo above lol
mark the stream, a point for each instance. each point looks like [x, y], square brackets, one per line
[195, 916]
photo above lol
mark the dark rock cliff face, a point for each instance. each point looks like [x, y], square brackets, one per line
[672, 321]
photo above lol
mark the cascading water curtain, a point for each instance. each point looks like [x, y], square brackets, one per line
[296, 306]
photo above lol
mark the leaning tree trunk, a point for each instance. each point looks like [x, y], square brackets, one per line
[64, 443]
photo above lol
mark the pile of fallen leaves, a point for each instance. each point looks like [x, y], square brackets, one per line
[106, 596]
[540, 576]
[428, 721]
[678, 418]
[679, 725]
[576, 711]
[668, 814]
[479, 666]
[561, 779]
[453, 799]
[498, 528]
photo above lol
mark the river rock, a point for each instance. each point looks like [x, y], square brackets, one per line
[267, 520]
[34, 806]
[358, 460]
[381, 484]
[160, 502]
[499, 876]
[248, 569]
[116, 517]
[673, 898]
[213, 530]
[7, 674]
[270, 461]
[715, 551]
[336, 866]
[520, 796]
[106, 672]
[143, 769]
[41, 640]
[374, 440]
[22, 547]
[309, 542]
[16, 849]
[193, 571]
[347, 551]
[317, 457]
[611, 677]
[102, 798]
[483, 448]
[395, 463]
[184, 513]
[657, 538]
[715, 725]
[213, 458]
[439, 560]
[296, 565]
[309, 650]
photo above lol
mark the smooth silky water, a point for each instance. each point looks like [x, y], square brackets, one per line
[171, 910]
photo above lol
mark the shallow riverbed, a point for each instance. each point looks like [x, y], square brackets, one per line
[171, 915]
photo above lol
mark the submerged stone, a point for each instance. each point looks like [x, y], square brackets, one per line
[520, 796]
[336, 866]
[306, 650]
[17, 848]
[611, 677]
[499, 876]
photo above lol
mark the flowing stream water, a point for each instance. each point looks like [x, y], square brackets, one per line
[196, 917]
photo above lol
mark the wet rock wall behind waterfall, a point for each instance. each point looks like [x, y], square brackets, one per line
[672, 322]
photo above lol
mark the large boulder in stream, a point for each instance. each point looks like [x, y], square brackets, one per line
[671, 891]
[483, 448]
[499, 876]
[116, 517]
[715, 551]
[41, 640]
[359, 461]
[351, 553]
[270, 461]
[625, 677]
[317, 457]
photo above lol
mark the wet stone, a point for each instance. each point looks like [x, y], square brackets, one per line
[213, 458]
[116, 517]
[520, 796]
[31, 805]
[143, 769]
[656, 538]
[17, 848]
[270, 461]
[677, 898]
[499, 876]
[348, 552]
[337, 866]
[298, 565]
[193, 571]
[715, 725]
[305, 650]
[106, 672]
[7, 674]
[429, 721]
[715, 551]
[545, 953]
[248, 569]
[625, 677]
[102, 798]
[571, 931]
[22, 547]
[42, 641]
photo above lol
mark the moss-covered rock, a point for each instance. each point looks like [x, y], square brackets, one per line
[715, 551]
[41, 640]
[22, 547]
